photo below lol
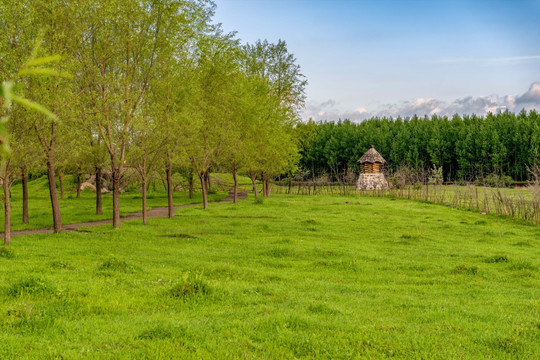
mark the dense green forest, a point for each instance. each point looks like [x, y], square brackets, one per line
[467, 148]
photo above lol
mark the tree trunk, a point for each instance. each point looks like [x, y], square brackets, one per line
[24, 177]
[168, 170]
[290, 184]
[99, 207]
[78, 186]
[235, 189]
[116, 197]
[253, 181]
[208, 181]
[57, 220]
[265, 184]
[204, 189]
[191, 187]
[267, 187]
[144, 213]
[61, 181]
[7, 211]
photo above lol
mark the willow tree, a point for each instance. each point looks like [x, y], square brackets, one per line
[123, 43]
[55, 92]
[216, 68]
[274, 63]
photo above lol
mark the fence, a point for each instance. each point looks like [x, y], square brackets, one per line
[522, 204]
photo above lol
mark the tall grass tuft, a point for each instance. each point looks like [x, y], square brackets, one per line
[6, 253]
[115, 265]
[190, 286]
[31, 286]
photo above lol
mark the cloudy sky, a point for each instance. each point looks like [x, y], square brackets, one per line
[367, 58]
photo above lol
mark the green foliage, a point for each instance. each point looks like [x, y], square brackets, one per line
[10, 91]
[496, 180]
[467, 148]
[436, 175]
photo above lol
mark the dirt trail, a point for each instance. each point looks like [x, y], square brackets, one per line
[160, 211]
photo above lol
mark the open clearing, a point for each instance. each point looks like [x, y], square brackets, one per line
[293, 277]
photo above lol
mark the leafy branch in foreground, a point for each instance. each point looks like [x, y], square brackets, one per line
[10, 90]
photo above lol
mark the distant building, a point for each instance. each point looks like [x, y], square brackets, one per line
[372, 177]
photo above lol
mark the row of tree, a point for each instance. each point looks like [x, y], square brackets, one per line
[466, 147]
[154, 86]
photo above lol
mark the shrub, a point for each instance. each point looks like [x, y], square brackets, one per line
[496, 180]
[436, 175]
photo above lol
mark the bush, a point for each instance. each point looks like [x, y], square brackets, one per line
[405, 176]
[436, 175]
[496, 180]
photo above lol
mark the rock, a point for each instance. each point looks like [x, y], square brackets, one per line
[85, 185]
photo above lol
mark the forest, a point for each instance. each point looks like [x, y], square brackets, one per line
[101, 87]
[467, 148]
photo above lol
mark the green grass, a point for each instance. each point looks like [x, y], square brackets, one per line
[226, 179]
[83, 209]
[293, 277]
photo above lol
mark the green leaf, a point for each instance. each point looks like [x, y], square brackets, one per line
[44, 71]
[7, 93]
[34, 106]
[43, 60]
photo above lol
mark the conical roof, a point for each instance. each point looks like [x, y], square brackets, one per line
[372, 156]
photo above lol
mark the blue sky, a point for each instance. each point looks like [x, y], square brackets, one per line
[374, 58]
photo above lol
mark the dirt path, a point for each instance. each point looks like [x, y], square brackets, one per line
[160, 211]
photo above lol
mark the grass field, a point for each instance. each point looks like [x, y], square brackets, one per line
[330, 277]
[78, 210]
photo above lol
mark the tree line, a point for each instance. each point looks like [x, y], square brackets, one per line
[466, 147]
[149, 85]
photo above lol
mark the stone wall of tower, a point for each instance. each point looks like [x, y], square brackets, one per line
[374, 181]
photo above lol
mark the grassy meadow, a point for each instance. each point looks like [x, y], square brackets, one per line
[75, 210]
[327, 277]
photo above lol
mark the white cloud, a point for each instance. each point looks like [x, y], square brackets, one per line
[531, 96]
[509, 59]
[481, 105]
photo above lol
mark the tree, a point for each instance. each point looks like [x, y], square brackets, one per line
[217, 66]
[124, 42]
[18, 130]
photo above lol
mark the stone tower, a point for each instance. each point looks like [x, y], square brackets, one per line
[372, 177]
